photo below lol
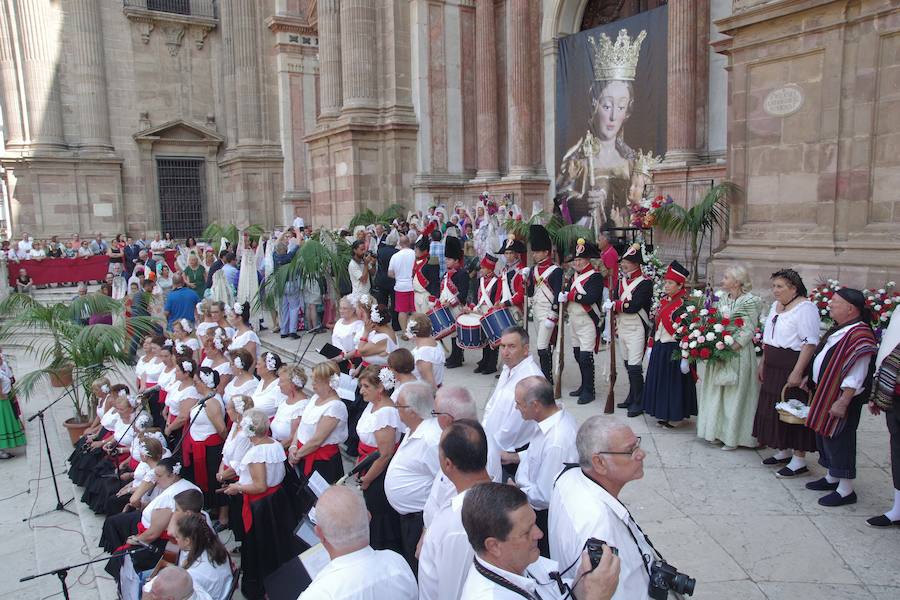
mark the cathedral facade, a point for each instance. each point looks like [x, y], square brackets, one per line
[166, 115]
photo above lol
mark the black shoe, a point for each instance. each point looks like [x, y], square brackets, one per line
[623, 404]
[665, 425]
[835, 499]
[452, 365]
[284, 335]
[775, 461]
[635, 411]
[497, 376]
[575, 393]
[586, 400]
[881, 521]
[263, 328]
[478, 369]
[821, 485]
[787, 472]
[488, 371]
[295, 336]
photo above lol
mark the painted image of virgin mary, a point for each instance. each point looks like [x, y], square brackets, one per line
[596, 173]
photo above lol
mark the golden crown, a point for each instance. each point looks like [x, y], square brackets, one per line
[616, 60]
[645, 163]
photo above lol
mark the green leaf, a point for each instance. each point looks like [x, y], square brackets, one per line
[364, 218]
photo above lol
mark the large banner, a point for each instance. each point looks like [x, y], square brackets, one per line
[610, 117]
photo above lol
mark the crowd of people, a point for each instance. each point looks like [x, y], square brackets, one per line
[218, 434]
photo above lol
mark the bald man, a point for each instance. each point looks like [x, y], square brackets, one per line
[356, 571]
[173, 583]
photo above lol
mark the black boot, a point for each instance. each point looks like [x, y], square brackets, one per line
[490, 365]
[546, 359]
[586, 362]
[577, 352]
[630, 396]
[456, 355]
[636, 380]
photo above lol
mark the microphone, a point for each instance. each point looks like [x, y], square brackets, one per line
[149, 391]
[362, 466]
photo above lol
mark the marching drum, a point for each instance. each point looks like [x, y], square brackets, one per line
[494, 322]
[469, 335]
[442, 323]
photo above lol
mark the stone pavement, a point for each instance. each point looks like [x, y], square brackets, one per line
[721, 517]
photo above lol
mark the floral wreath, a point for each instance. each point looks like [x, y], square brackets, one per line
[270, 361]
[387, 378]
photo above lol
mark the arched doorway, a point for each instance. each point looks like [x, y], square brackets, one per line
[601, 12]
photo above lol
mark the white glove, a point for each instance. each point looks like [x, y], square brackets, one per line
[685, 366]
[548, 323]
[562, 298]
[526, 271]
[647, 353]
[608, 305]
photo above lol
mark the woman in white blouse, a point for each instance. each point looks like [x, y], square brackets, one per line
[428, 353]
[402, 363]
[347, 330]
[243, 381]
[322, 427]
[236, 445]
[166, 378]
[379, 428]
[238, 317]
[202, 450]
[140, 366]
[268, 396]
[142, 487]
[214, 344]
[202, 555]
[378, 339]
[183, 335]
[291, 381]
[790, 335]
[180, 400]
[269, 539]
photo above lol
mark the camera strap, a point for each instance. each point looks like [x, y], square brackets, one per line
[504, 582]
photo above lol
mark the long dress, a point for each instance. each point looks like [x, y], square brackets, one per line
[11, 434]
[669, 395]
[726, 400]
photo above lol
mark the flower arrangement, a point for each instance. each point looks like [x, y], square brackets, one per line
[490, 205]
[703, 334]
[881, 303]
[821, 295]
[654, 270]
[643, 213]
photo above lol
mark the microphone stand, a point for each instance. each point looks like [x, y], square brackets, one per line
[185, 430]
[311, 340]
[62, 572]
[60, 505]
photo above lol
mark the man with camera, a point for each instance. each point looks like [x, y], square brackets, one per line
[362, 262]
[585, 504]
[501, 528]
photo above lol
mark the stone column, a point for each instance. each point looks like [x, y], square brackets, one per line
[681, 139]
[39, 54]
[359, 59]
[86, 65]
[9, 80]
[486, 89]
[519, 86]
[330, 57]
[247, 70]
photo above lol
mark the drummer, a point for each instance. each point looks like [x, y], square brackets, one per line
[584, 297]
[454, 291]
[488, 295]
[512, 282]
[426, 272]
[543, 284]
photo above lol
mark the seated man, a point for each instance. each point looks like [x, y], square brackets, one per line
[356, 571]
[173, 583]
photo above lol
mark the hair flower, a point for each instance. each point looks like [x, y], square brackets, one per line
[187, 366]
[247, 426]
[375, 315]
[297, 381]
[176, 468]
[387, 378]
[168, 343]
[238, 308]
[104, 389]
[238, 403]
[334, 382]
[208, 379]
[186, 325]
[271, 364]
[238, 362]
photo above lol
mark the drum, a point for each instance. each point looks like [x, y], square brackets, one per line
[442, 323]
[495, 322]
[469, 335]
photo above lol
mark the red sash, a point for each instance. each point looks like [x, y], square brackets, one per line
[132, 464]
[246, 513]
[141, 529]
[364, 450]
[197, 450]
[324, 452]
[162, 396]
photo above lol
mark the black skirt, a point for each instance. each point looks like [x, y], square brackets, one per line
[211, 498]
[669, 394]
[767, 427]
[270, 542]
[82, 461]
[384, 525]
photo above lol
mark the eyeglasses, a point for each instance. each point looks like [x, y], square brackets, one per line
[399, 406]
[631, 452]
[435, 413]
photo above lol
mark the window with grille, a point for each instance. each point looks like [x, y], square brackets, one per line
[182, 196]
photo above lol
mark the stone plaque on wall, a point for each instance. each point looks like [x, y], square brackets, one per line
[783, 101]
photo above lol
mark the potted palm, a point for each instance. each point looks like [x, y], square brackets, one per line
[697, 223]
[75, 354]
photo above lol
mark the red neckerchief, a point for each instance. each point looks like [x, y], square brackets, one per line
[543, 266]
[667, 306]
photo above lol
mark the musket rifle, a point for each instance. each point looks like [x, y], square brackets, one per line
[560, 339]
[613, 279]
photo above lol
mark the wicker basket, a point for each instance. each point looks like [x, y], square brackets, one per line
[786, 417]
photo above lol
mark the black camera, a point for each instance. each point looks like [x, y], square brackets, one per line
[594, 549]
[665, 577]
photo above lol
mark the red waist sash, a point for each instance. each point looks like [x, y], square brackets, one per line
[364, 450]
[132, 464]
[141, 529]
[324, 452]
[162, 396]
[196, 450]
[246, 513]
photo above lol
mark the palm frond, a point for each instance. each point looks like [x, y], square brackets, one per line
[313, 261]
[364, 218]
[394, 211]
[521, 228]
[564, 237]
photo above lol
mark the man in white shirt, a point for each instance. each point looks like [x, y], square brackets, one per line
[356, 571]
[415, 464]
[585, 503]
[359, 267]
[549, 451]
[299, 223]
[453, 403]
[173, 582]
[24, 247]
[446, 553]
[400, 269]
[501, 420]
